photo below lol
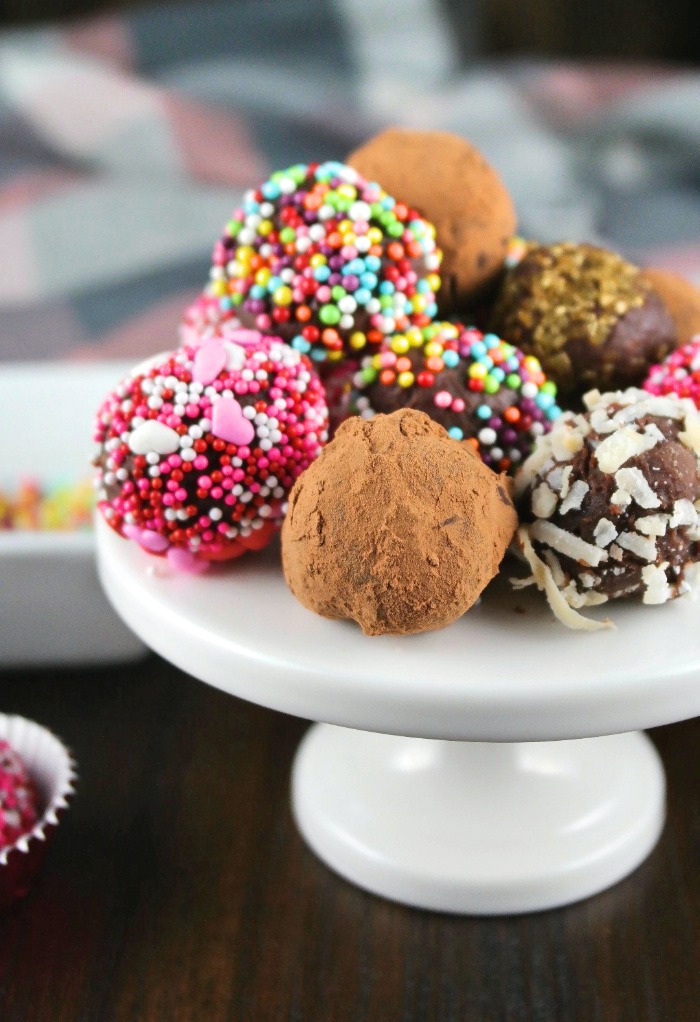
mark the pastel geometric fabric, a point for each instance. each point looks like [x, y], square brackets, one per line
[126, 142]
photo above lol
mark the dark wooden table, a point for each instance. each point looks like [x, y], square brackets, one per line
[178, 889]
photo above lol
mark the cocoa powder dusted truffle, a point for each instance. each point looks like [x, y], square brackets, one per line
[589, 316]
[681, 298]
[451, 184]
[475, 385]
[609, 501]
[395, 526]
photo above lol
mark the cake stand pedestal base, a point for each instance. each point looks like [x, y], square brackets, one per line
[478, 828]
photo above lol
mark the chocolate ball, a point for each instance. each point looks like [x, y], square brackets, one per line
[475, 385]
[590, 317]
[327, 261]
[395, 526]
[681, 298]
[451, 183]
[608, 501]
[198, 448]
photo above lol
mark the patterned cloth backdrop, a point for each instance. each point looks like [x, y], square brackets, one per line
[126, 141]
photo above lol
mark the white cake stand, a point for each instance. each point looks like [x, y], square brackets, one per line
[466, 825]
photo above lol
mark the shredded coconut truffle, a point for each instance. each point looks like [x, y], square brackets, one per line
[625, 517]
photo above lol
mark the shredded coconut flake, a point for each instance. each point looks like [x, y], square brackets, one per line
[592, 398]
[691, 434]
[544, 580]
[657, 589]
[601, 423]
[620, 498]
[633, 481]
[554, 478]
[691, 579]
[566, 442]
[619, 447]
[555, 567]
[644, 548]
[684, 513]
[566, 543]
[544, 501]
[645, 404]
[604, 532]
[565, 481]
[575, 497]
[652, 525]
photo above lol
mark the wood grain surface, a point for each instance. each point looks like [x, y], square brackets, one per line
[179, 890]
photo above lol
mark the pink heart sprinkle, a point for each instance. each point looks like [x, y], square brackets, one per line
[183, 560]
[246, 338]
[229, 423]
[209, 360]
[151, 541]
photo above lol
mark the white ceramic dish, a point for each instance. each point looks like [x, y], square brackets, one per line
[52, 609]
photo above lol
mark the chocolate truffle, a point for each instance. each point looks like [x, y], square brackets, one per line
[198, 449]
[395, 526]
[326, 260]
[451, 183]
[588, 315]
[204, 318]
[609, 502]
[681, 298]
[475, 385]
[18, 797]
[678, 374]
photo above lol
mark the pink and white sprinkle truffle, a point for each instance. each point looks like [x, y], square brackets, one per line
[678, 374]
[199, 448]
[18, 798]
[204, 319]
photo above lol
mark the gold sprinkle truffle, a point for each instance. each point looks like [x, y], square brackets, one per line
[588, 315]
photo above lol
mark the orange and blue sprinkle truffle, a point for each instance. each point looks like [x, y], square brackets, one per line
[328, 261]
[479, 387]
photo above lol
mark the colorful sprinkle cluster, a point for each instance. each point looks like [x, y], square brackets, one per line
[477, 386]
[36, 504]
[18, 799]
[678, 374]
[204, 319]
[326, 260]
[517, 250]
[198, 451]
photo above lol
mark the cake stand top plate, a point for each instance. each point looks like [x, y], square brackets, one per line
[505, 671]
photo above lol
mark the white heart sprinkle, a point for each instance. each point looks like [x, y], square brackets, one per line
[235, 355]
[154, 436]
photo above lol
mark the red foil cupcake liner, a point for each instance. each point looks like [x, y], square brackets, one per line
[52, 769]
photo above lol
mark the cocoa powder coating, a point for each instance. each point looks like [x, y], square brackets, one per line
[681, 298]
[396, 526]
[458, 191]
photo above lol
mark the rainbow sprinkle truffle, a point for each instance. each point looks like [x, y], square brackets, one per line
[327, 260]
[198, 449]
[477, 386]
[678, 374]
